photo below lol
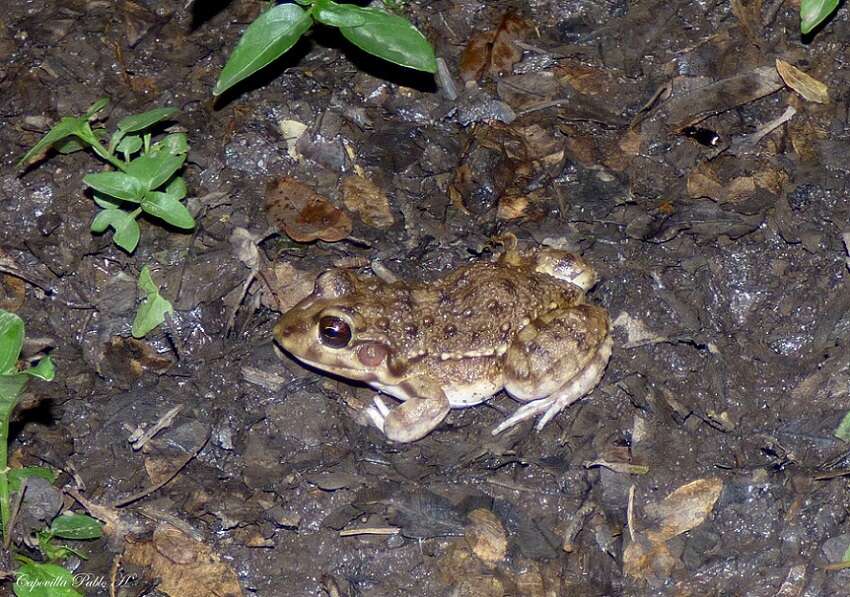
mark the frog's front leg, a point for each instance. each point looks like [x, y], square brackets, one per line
[555, 360]
[425, 406]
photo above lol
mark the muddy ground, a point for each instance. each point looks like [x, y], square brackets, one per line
[643, 135]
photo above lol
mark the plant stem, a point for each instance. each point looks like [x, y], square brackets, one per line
[106, 155]
[4, 479]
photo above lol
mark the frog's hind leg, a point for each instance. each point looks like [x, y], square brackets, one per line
[555, 360]
[572, 391]
[424, 407]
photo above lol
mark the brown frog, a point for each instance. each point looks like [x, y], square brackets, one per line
[518, 323]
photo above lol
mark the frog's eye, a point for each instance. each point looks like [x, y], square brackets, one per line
[334, 332]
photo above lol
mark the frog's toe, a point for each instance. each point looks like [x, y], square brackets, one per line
[526, 411]
[377, 413]
[572, 391]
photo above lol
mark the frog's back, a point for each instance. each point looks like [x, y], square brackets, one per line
[479, 308]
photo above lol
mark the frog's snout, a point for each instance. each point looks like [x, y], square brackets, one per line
[287, 331]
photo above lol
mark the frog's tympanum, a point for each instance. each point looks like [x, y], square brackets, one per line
[519, 323]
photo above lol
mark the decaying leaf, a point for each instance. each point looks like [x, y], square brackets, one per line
[806, 85]
[364, 197]
[303, 214]
[648, 557]
[475, 56]
[590, 80]
[292, 131]
[182, 565]
[512, 207]
[287, 285]
[494, 51]
[505, 52]
[703, 181]
[685, 508]
[12, 292]
[486, 536]
[651, 562]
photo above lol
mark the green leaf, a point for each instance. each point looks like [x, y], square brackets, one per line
[96, 107]
[152, 311]
[138, 122]
[44, 370]
[168, 208]
[11, 387]
[126, 227]
[34, 579]
[130, 144]
[69, 125]
[11, 341]
[392, 38]
[270, 36]
[338, 15]
[76, 526]
[105, 201]
[16, 476]
[175, 144]
[73, 144]
[117, 184]
[815, 12]
[842, 432]
[154, 170]
[177, 188]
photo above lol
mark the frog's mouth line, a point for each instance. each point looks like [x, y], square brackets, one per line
[348, 373]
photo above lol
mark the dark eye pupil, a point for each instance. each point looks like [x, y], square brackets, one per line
[334, 332]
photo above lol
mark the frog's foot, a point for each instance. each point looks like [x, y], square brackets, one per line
[572, 391]
[411, 420]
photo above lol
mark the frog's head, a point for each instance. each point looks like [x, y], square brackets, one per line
[330, 329]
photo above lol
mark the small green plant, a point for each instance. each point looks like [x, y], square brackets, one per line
[12, 383]
[380, 33]
[33, 579]
[152, 311]
[145, 178]
[815, 12]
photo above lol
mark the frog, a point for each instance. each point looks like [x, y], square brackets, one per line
[519, 322]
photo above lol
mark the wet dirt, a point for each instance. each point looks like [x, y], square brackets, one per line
[722, 266]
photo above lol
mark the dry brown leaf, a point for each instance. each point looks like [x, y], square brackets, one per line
[505, 52]
[476, 56]
[364, 197]
[486, 536]
[583, 150]
[749, 15]
[13, 291]
[303, 214]
[589, 80]
[648, 556]
[703, 181]
[685, 508]
[182, 565]
[288, 286]
[771, 179]
[806, 85]
[804, 137]
[494, 51]
[650, 562]
[128, 358]
[512, 207]
[631, 142]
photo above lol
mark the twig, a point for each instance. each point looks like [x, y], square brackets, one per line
[370, 531]
[146, 492]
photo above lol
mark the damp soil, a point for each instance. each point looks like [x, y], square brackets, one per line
[643, 135]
